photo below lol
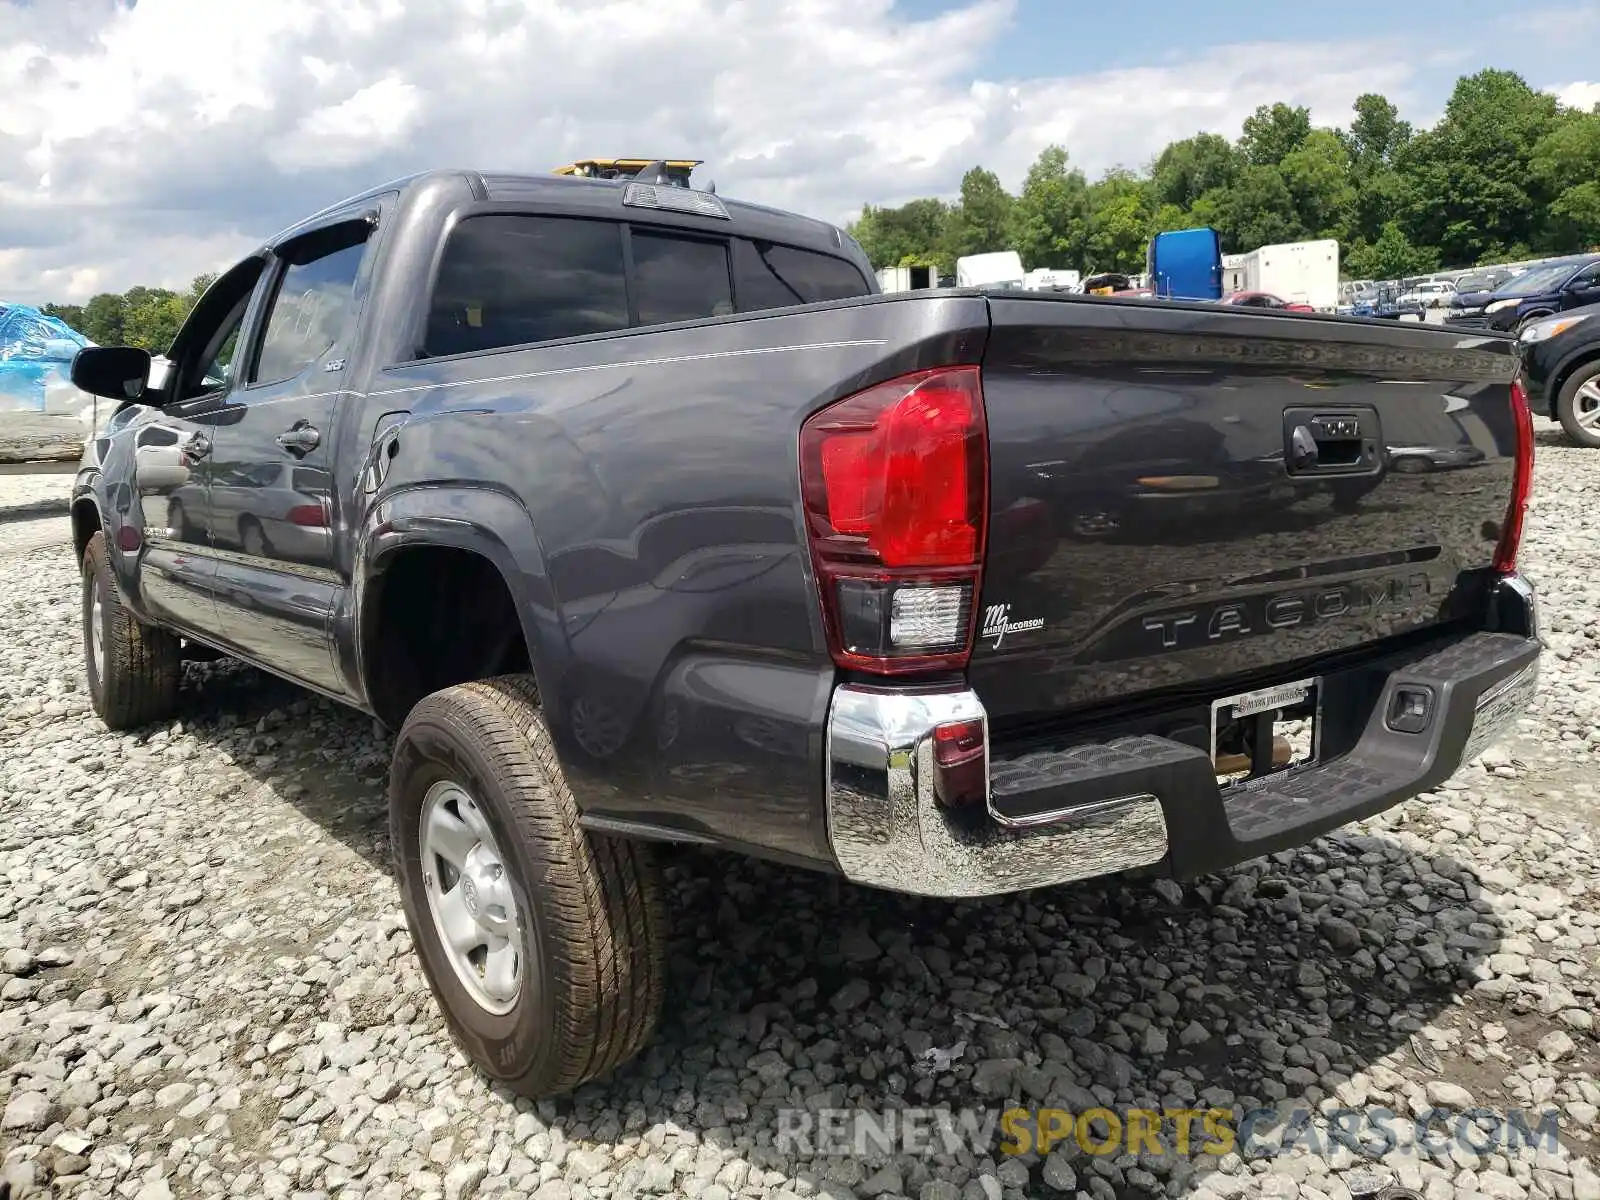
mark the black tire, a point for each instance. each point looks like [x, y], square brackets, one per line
[1531, 318]
[133, 679]
[1570, 405]
[592, 929]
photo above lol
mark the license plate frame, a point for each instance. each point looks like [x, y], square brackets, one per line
[1266, 708]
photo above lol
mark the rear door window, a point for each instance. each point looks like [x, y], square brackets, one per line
[509, 279]
[772, 276]
[678, 278]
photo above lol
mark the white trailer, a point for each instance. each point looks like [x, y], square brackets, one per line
[1300, 272]
[1002, 268]
[907, 279]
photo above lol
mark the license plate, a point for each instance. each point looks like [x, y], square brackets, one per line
[1266, 731]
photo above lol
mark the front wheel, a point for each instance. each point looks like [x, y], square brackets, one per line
[1578, 406]
[544, 944]
[133, 669]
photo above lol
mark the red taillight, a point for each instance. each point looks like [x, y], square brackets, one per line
[312, 516]
[1505, 554]
[895, 482]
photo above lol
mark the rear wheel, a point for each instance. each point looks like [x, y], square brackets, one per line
[1578, 406]
[133, 669]
[543, 944]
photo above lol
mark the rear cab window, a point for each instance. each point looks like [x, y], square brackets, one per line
[772, 276]
[516, 279]
[507, 280]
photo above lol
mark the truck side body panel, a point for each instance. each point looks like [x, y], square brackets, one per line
[671, 614]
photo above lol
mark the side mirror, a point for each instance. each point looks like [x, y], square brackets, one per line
[115, 372]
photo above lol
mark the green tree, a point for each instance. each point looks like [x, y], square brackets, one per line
[103, 318]
[1317, 174]
[153, 316]
[982, 221]
[1259, 210]
[1575, 217]
[71, 314]
[1273, 131]
[1392, 256]
[1050, 218]
[1566, 163]
[1376, 135]
[916, 231]
[1472, 189]
[1118, 224]
[1188, 169]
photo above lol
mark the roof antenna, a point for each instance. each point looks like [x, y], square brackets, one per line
[654, 171]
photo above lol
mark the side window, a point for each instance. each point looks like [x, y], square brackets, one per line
[772, 276]
[1589, 277]
[507, 280]
[679, 279]
[310, 314]
[217, 373]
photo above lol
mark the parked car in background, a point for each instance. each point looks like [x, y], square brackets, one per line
[1433, 293]
[1266, 300]
[1561, 370]
[1543, 291]
[1385, 300]
[1475, 289]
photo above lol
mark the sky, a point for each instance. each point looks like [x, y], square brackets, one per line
[146, 141]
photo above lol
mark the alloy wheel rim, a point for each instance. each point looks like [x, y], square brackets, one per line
[1587, 408]
[96, 627]
[471, 898]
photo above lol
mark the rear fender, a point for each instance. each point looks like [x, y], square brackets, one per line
[485, 521]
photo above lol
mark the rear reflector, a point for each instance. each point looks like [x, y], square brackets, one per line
[895, 483]
[1505, 554]
[960, 762]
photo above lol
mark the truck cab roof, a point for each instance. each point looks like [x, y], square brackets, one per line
[608, 198]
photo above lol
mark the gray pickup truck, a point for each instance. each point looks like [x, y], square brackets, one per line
[643, 519]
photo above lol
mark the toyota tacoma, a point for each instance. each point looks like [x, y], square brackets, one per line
[643, 520]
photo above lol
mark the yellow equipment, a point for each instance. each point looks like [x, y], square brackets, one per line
[677, 169]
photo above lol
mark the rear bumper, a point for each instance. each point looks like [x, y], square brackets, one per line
[1146, 801]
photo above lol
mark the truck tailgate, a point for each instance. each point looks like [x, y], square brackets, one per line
[1182, 495]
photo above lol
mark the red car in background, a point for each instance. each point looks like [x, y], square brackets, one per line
[1265, 300]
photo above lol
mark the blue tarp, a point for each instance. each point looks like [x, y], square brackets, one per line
[35, 355]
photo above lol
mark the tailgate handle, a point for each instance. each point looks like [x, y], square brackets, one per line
[1303, 449]
[1331, 441]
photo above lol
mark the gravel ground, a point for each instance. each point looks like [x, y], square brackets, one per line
[206, 986]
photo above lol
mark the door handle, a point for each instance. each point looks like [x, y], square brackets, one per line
[196, 445]
[300, 439]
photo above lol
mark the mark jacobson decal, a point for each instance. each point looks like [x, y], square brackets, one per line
[997, 623]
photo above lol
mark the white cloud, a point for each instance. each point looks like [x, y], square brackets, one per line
[1578, 95]
[146, 144]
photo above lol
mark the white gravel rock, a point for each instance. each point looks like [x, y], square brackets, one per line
[206, 986]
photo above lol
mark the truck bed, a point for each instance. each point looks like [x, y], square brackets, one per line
[1147, 532]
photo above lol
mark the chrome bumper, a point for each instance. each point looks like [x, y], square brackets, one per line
[888, 830]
